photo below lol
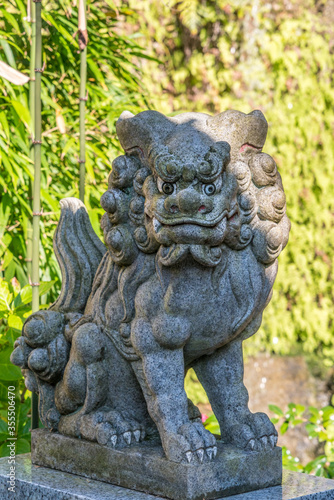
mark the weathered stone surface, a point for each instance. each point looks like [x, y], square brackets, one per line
[40, 483]
[195, 220]
[144, 467]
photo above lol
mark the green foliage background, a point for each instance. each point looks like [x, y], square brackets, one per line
[212, 55]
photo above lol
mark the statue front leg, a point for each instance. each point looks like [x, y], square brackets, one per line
[221, 375]
[160, 372]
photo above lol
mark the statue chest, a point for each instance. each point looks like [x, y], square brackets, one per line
[215, 303]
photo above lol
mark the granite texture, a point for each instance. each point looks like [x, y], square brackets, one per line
[40, 483]
[195, 221]
[143, 467]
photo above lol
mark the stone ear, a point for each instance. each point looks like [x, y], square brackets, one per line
[142, 130]
[241, 131]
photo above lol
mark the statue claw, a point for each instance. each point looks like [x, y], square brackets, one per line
[251, 444]
[127, 437]
[200, 455]
[113, 440]
[273, 440]
[264, 441]
[137, 435]
[189, 456]
[214, 451]
[209, 452]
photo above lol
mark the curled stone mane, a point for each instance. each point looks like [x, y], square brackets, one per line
[261, 219]
[123, 223]
[123, 226]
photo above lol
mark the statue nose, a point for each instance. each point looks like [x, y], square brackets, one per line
[188, 201]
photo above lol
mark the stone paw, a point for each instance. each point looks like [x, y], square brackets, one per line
[192, 444]
[111, 428]
[254, 433]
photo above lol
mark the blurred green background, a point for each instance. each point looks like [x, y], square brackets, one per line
[174, 56]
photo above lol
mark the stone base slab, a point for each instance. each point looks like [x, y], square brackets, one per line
[143, 467]
[39, 483]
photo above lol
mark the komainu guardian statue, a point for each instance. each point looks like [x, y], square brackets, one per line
[194, 223]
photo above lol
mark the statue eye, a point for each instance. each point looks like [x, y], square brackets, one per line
[209, 189]
[168, 188]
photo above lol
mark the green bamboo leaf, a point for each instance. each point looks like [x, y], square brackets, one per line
[69, 144]
[5, 211]
[4, 123]
[11, 19]
[96, 71]
[8, 259]
[9, 53]
[23, 113]
[62, 31]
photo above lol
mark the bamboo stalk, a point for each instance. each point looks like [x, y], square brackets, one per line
[31, 17]
[37, 183]
[83, 40]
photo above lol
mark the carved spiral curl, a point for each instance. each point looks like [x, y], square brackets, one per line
[213, 165]
[121, 245]
[261, 218]
[164, 163]
[123, 224]
[263, 169]
[123, 171]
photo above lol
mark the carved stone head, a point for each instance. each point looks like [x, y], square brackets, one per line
[194, 181]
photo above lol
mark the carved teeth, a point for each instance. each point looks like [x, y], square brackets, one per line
[200, 454]
[209, 452]
[214, 451]
[189, 456]
[137, 436]
[113, 440]
[127, 437]
[264, 441]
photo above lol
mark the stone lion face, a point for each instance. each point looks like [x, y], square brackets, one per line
[190, 210]
[189, 197]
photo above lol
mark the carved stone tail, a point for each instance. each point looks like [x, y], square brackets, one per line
[79, 252]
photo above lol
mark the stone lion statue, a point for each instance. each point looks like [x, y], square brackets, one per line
[194, 222]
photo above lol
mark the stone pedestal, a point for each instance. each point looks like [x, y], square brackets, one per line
[37, 483]
[144, 467]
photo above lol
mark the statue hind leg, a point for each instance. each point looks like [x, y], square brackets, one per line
[86, 389]
[113, 410]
